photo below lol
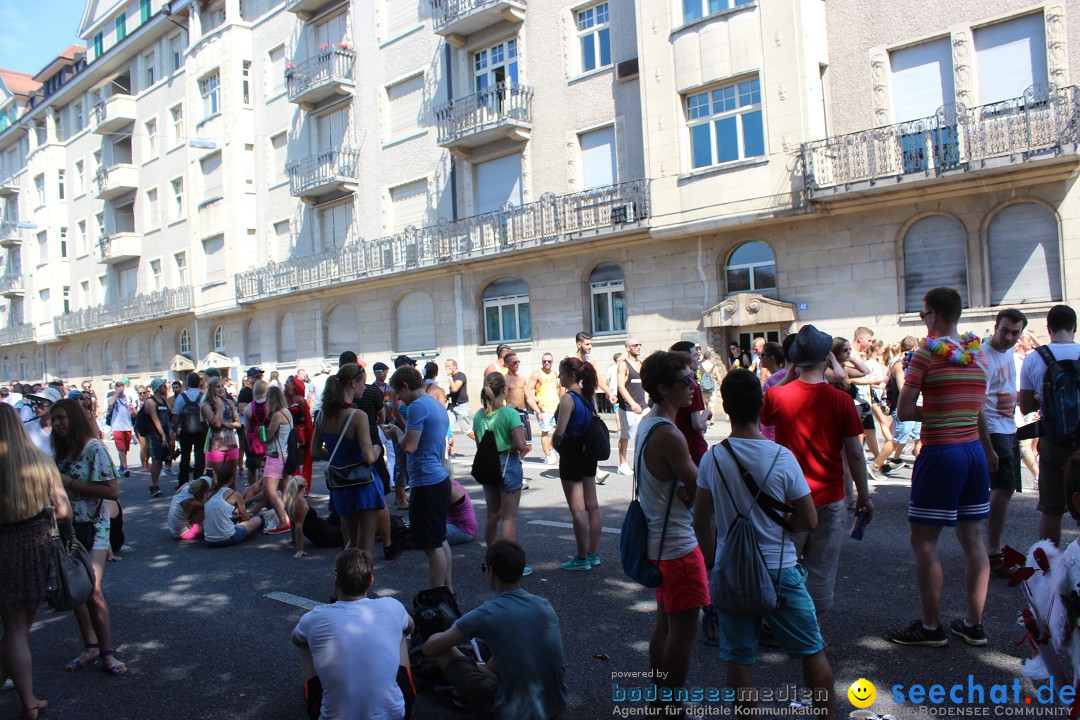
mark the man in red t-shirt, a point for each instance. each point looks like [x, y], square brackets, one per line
[819, 425]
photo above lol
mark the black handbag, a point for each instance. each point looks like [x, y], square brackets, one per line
[342, 477]
[71, 573]
[85, 531]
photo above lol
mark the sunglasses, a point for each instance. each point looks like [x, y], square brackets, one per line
[635, 345]
[687, 380]
[924, 313]
[546, 362]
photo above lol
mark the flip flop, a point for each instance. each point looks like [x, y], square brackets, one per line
[117, 668]
[78, 663]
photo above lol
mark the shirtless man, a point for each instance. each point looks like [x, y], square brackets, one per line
[499, 365]
[584, 347]
[542, 394]
[632, 404]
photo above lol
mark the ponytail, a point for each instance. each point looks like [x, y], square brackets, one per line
[292, 489]
[334, 392]
[494, 385]
[583, 373]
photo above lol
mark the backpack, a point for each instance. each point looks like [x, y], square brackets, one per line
[892, 393]
[486, 468]
[708, 382]
[256, 445]
[634, 538]
[740, 583]
[191, 422]
[1060, 402]
[597, 438]
[293, 457]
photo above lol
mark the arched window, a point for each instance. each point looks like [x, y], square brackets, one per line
[108, 361]
[39, 360]
[88, 360]
[62, 362]
[157, 354]
[506, 311]
[219, 339]
[1025, 262]
[253, 342]
[751, 268]
[341, 330]
[608, 299]
[185, 343]
[24, 367]
[415, 321]
[131, 355]
[287, 340]
[935, 255]
[7, 368]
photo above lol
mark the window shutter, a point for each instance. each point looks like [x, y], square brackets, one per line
[415, 323]
[598, 158]
[400, 16]
[922, 80]
[1025, 265]
[214, 254]
[935, 255]
[1010, 57]
[406, 103]
[497, 183]
[212, 176]
[409, 205]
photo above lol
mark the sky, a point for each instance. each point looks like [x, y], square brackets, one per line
[33, 32]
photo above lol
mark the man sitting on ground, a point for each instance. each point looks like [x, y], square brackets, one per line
[521, 680]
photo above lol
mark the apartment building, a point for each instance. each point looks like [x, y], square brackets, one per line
[274, 181]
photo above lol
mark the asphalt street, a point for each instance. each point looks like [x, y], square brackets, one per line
[202, 639]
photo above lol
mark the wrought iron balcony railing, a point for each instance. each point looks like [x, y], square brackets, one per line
[505, 103]
[14, 334]
[11, 282]
[447, 12]
[332, 66]
[552, 219]
[10, 233]
[139, 308]
[1042, 121]
[327, 168]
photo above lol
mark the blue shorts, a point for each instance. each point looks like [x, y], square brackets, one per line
[457, 536]
[513, 476]
[950, 483]
[905, 431]
[794, 624]
[240, 534]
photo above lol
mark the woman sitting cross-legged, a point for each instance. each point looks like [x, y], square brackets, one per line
[225, 519]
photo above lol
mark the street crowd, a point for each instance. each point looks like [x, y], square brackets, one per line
[814, 419]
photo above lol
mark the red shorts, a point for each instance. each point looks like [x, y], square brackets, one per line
[122, 439]
[685, 583]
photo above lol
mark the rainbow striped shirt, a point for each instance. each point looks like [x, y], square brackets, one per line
[952, 396]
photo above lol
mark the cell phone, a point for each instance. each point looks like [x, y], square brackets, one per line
[476, 649]
[859, 526]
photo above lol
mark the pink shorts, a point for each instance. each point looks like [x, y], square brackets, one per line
[685, 583]
[275, 467]
[122, 439]
[217, 456]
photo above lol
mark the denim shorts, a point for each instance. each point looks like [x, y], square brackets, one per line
[794, 623]
[905, 431]
[240, 534]
[513, 475]
[457, 536]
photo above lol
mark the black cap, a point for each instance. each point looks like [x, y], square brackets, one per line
[403, 360]
[253, 372]
[811, 346]
[380, 367]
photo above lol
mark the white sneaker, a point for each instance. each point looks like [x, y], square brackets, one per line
[551, 459]
[601, 477]
[624, 469]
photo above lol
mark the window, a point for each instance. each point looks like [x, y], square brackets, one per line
[335, 224]
[275, 79]
[84, 294]
[506, 311]
[151, 139]
[176, 51]
[99, 45]
[77, 116]
[1010, 57]
[181, 268]
[214, 259]
[282, 239]
[697, 9]
[1025, 260]
[751, 268]
[415, 331]
[498, 182]
[80, 178]
[608, 299]
[88, 360]
[82, 244]
[594, 37]
[149, 69]
[342, 329]
[212, 16]
[153, 217]
[401, 16]
[725, 124]
[212, 181]
[157, 352]
[408, 204]
[942, 238]
[245, 84]
[99, 220]
[279, 155]
[185, 342]
[253, 342]
[67, 298]
[922, 81]
[598, 165]
[178, 198]
[209, 89]
[497, 64]
[121, 26]
[155, 274]
[144, 10]
[127, 280]
[219, 339]
[177, 114]
[406, 102]
[63, 243]
[60, 184]
[39, 185]
[286, 338]
[42, 247]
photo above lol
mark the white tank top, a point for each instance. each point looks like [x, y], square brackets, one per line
[654, 496]
[178, 519]
[218, 525]
[279, 446]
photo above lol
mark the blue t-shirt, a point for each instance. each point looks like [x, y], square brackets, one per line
[531, 674]
[425, 464]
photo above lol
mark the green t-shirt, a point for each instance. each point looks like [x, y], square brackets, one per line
[502, 422]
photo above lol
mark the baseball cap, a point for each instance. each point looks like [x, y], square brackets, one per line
[49, 395]
[403, 360]
[254, 372]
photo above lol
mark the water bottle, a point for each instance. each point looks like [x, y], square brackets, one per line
[262, 433]
[859, 526]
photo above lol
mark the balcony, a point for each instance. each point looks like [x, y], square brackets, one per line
[11, 285]
[10, 234]
[137, 309]
[9, 185]
[323, 78]
[115, 180]
[1039, 128]
[455, 20]
[112, 114]
[14, 334]
[330, 174]
[307, 9]
[554, 219]
[120, 247]
[501, 111]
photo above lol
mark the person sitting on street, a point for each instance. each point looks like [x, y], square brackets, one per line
[305, 521]
[520, 681]
[187, 508]
[219, 527]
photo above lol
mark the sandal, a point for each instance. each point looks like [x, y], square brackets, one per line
[80, 662]
[117, 667]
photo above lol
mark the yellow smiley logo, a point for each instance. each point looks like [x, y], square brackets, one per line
[862, 693]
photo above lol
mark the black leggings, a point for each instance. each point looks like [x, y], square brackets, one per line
[323, 533]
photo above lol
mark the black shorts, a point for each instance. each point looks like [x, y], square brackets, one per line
[253, 461]
[475, 687]
[428, 508]
[573, 466]
[866, 415]
[1007, 476]
[157, 447]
